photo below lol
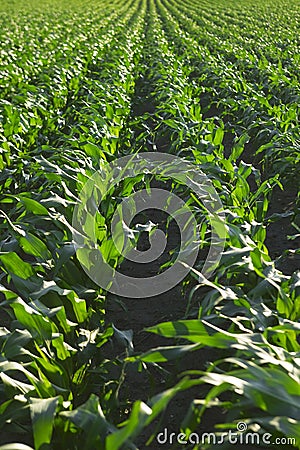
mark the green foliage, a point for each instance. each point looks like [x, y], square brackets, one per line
[219, 86]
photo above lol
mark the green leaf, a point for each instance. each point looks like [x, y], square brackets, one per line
[194, 331]
[33, 206]
[33, 321]
[238, 147]
[15, 265]
[218, 138]
[138, 417]
[34, 246]
[94, 151]
[90, 419]
[42, 411]
[14, 343]
[163, 354]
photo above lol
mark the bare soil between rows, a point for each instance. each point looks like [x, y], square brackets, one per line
[138, 314]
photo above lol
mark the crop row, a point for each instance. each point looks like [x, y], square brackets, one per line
[83, 84]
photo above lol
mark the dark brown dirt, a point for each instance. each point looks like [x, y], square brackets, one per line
[139, 314]
[279, 231]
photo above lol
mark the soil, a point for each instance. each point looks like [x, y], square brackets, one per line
[138, 314]
[281, 246]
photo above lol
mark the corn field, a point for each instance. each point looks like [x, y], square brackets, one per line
[103, 102]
